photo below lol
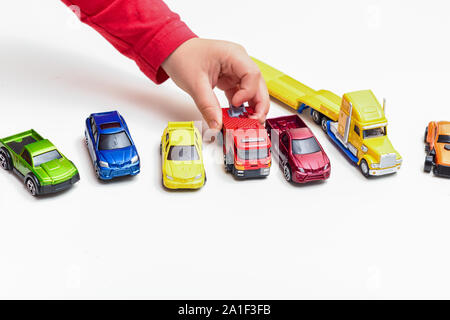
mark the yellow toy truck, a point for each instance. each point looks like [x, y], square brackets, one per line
[356, 123]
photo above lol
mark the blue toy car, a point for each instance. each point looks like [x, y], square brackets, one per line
[110, 145]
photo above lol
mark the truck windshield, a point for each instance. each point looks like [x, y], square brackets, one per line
[305, 146]
[183, 153]
[46, 157]
[252, 154]
[114, 141]
[375, 132]
[443, 138]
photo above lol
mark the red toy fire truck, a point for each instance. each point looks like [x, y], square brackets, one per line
[246, 144]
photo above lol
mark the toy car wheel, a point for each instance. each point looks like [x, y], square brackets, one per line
[31, 186]
[160, 148]
[428, 164]
[435, 172]
[324, 124]
[287, 173]
[427, 167]
[316, 116]
[364, 168]
[5, 160]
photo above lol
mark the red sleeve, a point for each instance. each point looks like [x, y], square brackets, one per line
[143, 30]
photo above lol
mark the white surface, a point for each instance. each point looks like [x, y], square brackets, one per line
[345, 238]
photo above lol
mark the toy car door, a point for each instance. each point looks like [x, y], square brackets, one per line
[275, 138]
[432, 134]
[165, 146]
[229, 148]
[284, 147]
[355, 139]
[24, 163]
[92, 139]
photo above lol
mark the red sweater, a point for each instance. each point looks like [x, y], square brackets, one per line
[143, 30]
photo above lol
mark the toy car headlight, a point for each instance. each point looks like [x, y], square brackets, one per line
[326, 167]
[375, 165]
[135, 159]
[301, 170]
[364, 148]
[198, 176]
[103, 164]
[169, 177]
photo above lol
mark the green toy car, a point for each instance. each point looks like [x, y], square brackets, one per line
[37, 161]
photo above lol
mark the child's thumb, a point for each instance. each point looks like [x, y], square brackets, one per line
[209, 105]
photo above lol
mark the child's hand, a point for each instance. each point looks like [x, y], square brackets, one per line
[199, 65]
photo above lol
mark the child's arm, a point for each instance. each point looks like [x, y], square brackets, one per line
[155, 37]
[143, 30]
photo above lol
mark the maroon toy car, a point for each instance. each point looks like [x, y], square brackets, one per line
[300, 154]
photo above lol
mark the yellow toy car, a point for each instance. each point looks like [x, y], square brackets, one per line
[182, 159]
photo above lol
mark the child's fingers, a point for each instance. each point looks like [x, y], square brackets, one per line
[248, 88]
[252, 87]
[229, 93]
[262, 102]
[258, 96]
[208, 104]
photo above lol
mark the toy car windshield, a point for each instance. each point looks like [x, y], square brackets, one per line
[373, 133]
[46, 157]
[114, 141]
[253, 154]
[443, 139]
[305, 146]
[183, 153]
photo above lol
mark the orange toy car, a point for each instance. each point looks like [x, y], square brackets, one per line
[437, 147]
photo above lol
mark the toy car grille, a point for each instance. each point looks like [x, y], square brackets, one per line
[443, 170]
[119, 165]
[119, 173]
[63, 185]
[387, 160]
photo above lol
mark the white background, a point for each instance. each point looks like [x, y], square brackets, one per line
[346, 238]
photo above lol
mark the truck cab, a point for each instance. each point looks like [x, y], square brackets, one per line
[361, 132]
[246, 145]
